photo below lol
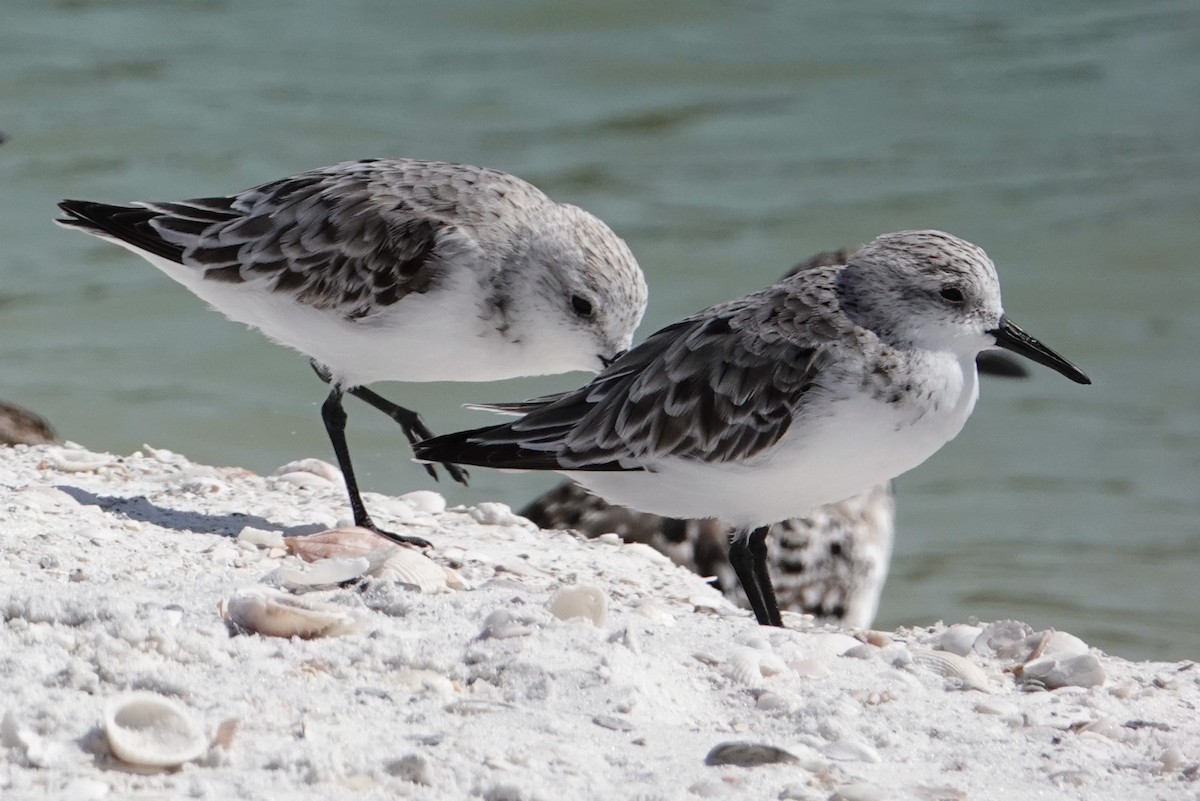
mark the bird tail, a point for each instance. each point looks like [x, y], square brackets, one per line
[484, 447]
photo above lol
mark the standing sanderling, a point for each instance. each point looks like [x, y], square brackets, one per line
[398, 270]
[831, 563]
[765, 407]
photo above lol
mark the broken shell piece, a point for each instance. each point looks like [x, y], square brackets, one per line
[580, 600]
[262, 611]
[314, 467]
[1075, 671]
[260, 538]
[323, 572]
[953, 667]
[150, 730]
[335, 542]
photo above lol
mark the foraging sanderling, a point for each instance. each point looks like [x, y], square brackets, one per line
[398, 270]
[765, 407]
[831, 563]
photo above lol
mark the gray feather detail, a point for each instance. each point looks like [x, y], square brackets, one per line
[352, 238]
[721, 386]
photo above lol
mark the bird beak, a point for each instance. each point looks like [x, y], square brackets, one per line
[1010, 337]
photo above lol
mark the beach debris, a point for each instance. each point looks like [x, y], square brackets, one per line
[150, 730]
[412, 568]
[959, 670]
[580, 600]
[1084, 670]
[309, 473]
[300, 575]
[850, 749]
[347, 541]
[259, 610]
[41, 752]
[747, 754]
[959, 638]
[427, 501]
[260, 538]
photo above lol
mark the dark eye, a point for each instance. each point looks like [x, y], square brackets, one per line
[581, 305]
[952, 294]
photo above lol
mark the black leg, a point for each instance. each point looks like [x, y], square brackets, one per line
[758, 548]
[335, 425]
[748, 555]
[410, 422]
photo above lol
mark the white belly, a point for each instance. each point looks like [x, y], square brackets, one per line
[434, 336]
[860, 443]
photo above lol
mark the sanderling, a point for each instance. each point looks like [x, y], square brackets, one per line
[765, 407]
[398, 270]
[831, 563]
[22, 427]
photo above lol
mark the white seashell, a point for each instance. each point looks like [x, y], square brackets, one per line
[1171, 760]
[849, 749]
[655, 612]
[1005, 638]
[275, 614]
[149, 730]
[502, 625]
[1075, 671]
[1061, 645]
[744, 667]
[959, 638]
[77, 460]
[304, 479]
[260, 538]
[491, 513]
[810, 668]
[323, 572]
[828, 644]
[966, 673]
[410, 566]
[648, 553]
[314, 467]
[580, 600]
[427, 501]
[997, 707]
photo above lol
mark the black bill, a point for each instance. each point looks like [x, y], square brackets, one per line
[1010, 337]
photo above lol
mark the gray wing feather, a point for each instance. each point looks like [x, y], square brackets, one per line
[352, 238]
[721, 386]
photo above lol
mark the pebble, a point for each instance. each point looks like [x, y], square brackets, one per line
[747, 755]
[580, 600]
[613, 722]
[411, 768]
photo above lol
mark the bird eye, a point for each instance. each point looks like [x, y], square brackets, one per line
[581, 305]
[952, 294]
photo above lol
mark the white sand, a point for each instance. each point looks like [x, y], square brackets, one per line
[113, 569]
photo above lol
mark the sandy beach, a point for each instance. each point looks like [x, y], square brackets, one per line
[138, 592]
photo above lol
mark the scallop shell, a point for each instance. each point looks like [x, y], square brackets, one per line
[149, 730]
[744, 666]
[275, 614]
[410, 566]
[954, 667]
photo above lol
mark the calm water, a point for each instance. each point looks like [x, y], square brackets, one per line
[723, 145]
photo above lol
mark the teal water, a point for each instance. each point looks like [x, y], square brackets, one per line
[724, 144]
